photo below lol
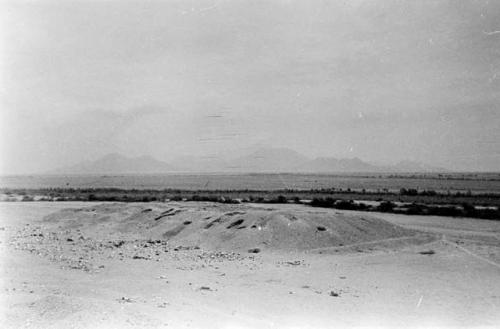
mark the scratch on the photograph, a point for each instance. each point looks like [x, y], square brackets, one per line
[207, 8]
[212, 139]
[492, 32]
[200, 10]
[420, 301]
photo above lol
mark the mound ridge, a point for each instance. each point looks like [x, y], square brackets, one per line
[227, 227]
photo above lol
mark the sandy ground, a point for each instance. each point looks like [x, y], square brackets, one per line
[59, 273]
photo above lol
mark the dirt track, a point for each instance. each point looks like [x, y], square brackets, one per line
[65, 278]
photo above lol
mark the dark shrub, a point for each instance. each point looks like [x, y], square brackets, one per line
[445, 211]
[363, 206]
[410, 191]
[488, 214]
[279, 199]
[346, 204]
[320, 202]
[469, 210]
[386, 206]
[195, 198]
[416, 209]
[27, 198]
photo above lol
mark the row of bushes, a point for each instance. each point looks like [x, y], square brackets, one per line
[117, 195]
[464, 210]
[54, 192]
[350, 205]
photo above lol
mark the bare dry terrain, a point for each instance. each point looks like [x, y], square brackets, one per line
[206, 265]
[476, 182]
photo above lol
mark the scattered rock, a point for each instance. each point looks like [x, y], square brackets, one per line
[254, 250]
[118, 244]
[334, 294]
[126, 300]
[205, 288]
[294, 263]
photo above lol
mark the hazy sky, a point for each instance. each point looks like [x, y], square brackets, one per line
[380, 80]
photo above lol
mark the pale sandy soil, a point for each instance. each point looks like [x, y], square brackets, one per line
[115, 266]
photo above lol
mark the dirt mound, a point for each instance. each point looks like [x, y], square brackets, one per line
[228, 227]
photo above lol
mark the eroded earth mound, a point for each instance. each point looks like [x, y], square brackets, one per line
[226, 227]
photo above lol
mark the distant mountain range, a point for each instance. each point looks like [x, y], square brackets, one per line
[260, 161]
[118, 164]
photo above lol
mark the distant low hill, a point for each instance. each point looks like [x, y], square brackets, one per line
[330, 165]
[412, 166]
[337, 165]
[119, 164]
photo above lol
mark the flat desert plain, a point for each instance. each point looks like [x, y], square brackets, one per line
[207, 265]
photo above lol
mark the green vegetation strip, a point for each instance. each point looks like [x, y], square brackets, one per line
[407, 201]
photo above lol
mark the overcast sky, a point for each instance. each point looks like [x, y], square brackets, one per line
[380, 80]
